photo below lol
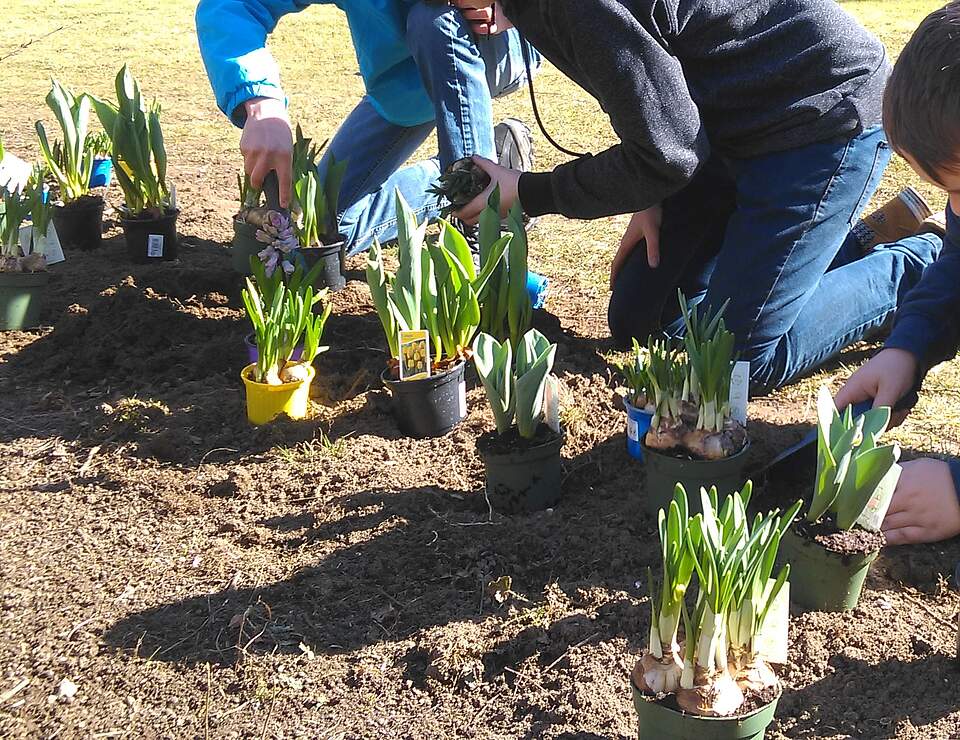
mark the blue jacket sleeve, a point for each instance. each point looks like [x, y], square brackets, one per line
[928, 321]
[233, 35]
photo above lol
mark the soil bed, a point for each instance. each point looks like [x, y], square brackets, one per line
[503, 444]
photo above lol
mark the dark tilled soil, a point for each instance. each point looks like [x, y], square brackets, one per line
[195, 577]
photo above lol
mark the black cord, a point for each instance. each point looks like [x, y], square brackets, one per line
[525, 48]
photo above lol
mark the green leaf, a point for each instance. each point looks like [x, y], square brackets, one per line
[866, 472]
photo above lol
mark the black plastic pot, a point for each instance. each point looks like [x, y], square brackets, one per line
[80, 224]
[21, 298]
[657, 721]
[429, 407]
[151, 239]
[525, 478]
[821, 580]
[245, 246]
[332, 257]
[665, 471]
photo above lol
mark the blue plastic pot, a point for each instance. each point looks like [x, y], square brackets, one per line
[537, 288]
[638, 422]
[101, 173]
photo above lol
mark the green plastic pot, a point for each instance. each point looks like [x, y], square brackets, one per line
[660, 722]
[21, 297]
[244, 246]
[522, 480]
[664, 472]
[821, 580]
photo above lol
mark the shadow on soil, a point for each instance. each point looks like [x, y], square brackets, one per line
[390, 564]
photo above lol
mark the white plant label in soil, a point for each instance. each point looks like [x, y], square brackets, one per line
[740, 391]
[462, 397]
[48, 246]
[633, 430]
[771, 642]
[551, 403]
[876, 508]
[155, 245]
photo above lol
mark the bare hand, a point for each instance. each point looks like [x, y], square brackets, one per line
[924, 506]
[644, 225]
[886, 378]
[507, 179]
[267, 144]
[486, 17]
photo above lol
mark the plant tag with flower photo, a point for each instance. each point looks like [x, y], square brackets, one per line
[155, 245]
[740, 391]
[876, 509]
[551, 403]
[414, 354]
[772, 642]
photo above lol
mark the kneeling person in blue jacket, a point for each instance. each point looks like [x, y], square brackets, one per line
[423, 67]
[922, 116]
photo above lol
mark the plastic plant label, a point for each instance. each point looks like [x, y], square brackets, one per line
[155, 245]
[876, 509]
[771, 642]
[551, 403]
[633, 430]
[740, 391]
[26, 238]
[462, 397]
[48, 244]
[415, 355]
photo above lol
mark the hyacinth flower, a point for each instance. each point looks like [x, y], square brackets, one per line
[277, 233]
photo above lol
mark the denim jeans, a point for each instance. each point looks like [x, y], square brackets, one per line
[771, 235]
[461, 73]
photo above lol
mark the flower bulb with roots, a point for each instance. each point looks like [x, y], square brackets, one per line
[756, 676]
[654, 675]
[714, 695]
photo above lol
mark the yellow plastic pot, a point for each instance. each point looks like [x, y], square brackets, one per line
[266, 402]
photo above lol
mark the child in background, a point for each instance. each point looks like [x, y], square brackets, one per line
[921, 114]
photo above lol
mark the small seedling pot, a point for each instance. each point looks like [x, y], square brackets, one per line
[657, 721]
[151, 239]
[21, 298]
[821, 580]
[250, 342]
[266, 402]
[525, 478]
[429, 407]
[332, 257]
[638, 422]
[79, 224]
[245, 246]
[102, 173]
[665, 471]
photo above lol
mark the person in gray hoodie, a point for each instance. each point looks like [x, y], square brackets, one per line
[749, 143]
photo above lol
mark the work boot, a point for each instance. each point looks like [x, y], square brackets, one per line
[897, 219]
[514, 144]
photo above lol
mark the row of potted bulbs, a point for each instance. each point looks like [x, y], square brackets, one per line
[459, 311]
[72, 167]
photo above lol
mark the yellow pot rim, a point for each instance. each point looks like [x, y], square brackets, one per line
[282, 388]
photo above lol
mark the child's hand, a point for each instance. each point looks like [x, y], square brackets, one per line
[924, 506]
[886, 378]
